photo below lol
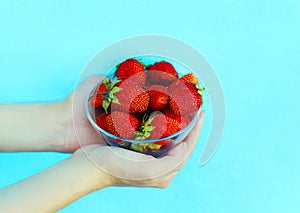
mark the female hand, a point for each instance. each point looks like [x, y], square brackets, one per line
[124, 167]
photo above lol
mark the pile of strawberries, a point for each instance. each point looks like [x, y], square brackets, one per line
[146, 102]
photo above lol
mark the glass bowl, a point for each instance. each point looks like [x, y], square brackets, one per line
[143, 145]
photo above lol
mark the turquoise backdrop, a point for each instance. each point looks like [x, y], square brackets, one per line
[254, 46]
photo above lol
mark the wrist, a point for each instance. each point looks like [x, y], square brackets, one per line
[90, 177]
[32, 127]
[54, 187]
[62, 116]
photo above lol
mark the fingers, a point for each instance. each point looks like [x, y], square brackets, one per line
[195, 131]
[182, 151]
[189, 143]
[192, 138]
[167, 180]
[83, 131]
[123, 163]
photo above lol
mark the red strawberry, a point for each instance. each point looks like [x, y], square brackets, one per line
[131, 69]
[186, 78]
[159, 97]
[105, 94]
[120, 142]
[147, 84]
[163, 143]
[131, 98]
[183, 121]
[189, 78]
[162, 73]
[157, 126]
[172, 126]
[97, 99]
[122, 124]
[173, 86]
[101, 121]
[185, 99]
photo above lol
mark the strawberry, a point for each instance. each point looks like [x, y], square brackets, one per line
[173, 85]
[147, 84]
[131, 69]
[185, 98]
[131, 98]
[97, 99]
[183, 121]
[122, 124]
[157, 126]
[189, 78]
[105, 94]
[163, 143]
[159, 97]
[121, 143]
[162, 73]
[172, 126]
[186, 78]
[101, 121]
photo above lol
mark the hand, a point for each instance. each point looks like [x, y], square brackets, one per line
[48, 126]
[79, 131]
[124, 167]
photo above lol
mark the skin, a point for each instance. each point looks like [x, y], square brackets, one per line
[48, 127]
[93, 165]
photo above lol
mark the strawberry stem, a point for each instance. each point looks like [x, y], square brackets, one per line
[146, 128]
[109, 95]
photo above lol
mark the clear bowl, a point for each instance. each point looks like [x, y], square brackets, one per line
[172, 140]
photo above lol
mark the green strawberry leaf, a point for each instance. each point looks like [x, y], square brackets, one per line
[139, 138]
[148, 122]
[154, 146]
[110, 96]
[138, 147]
[149, 128]
[200, 90]
[114, 83]
[137, 133]
[115, 90]
[106, 82]
[115, 100]
[147, 134]
[105, 105]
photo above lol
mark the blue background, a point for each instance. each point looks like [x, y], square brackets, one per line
[254, 47]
